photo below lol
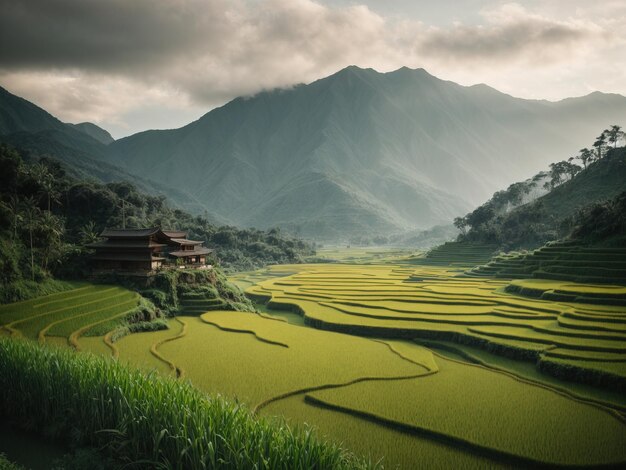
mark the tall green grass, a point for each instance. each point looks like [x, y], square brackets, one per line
[148, 420]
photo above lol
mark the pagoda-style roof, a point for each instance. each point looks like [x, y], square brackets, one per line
[124, 257]
[112, 244]
[129, 232]
[186, 253]
[174, 233]
[142, 233]
[184, 241]
[132, 249]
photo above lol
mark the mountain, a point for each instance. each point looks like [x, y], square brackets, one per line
[552, 215]
[362, 151]
[101, 135]
[26, 126]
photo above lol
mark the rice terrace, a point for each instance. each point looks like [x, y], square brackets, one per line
[395, 360]
[264, 235]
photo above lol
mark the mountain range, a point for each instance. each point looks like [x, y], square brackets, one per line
[358, 152]
[82, 147]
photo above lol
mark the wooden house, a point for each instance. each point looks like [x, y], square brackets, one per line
[146, 250]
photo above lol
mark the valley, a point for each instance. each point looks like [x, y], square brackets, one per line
[365, 352]
[267, 257]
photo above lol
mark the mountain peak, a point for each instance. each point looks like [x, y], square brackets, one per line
[94, 131]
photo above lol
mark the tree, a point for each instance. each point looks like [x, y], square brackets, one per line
[31, 214]
[585, 156]
[557, 170]
[480, 216]
[461, 224]
[45, 180]
[600, 145]
[88, 233]
[14, 207]
[614, 134]
[52, 227]
[572, 169]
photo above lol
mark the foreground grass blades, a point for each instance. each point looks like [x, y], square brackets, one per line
[149, 420]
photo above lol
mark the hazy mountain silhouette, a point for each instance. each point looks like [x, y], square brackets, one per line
[26, 126]
[362, 151]
[359, 152]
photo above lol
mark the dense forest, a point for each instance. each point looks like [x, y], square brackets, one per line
[557, 203]
[47, 216]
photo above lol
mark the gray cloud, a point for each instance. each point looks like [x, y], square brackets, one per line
[111, 57]
[511, 34]
[105, 34]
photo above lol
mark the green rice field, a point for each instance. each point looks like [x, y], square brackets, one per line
[409, 364]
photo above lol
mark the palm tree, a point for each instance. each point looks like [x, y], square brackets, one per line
[14, 207]
[54, 229]
[45, 180]
[48, 188]
[31, 213]
[88, 233]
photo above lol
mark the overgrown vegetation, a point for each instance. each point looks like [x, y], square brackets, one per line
[47, 216]
[6, 464]
[601, 222]
[147, 420]
[553, 204]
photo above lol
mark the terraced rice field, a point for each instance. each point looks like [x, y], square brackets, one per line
[567, 261]
[457, 254]
[435, 303]
[424, 377]
[62, 318]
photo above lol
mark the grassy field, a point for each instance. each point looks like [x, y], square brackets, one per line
[83, 396]
[440, 369]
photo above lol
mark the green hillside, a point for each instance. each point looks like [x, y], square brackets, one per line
[47, 217]
[82, 147]
[551, 216]
[101, 135]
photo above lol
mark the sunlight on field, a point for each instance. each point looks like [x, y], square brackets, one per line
[498, 413]
[489, 383]
[436, 303]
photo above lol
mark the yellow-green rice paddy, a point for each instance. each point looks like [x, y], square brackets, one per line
[420, 366]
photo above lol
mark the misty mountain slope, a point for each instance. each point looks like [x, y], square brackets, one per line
[371, 151]
[552, 215]
[26, 126]
[92, 130]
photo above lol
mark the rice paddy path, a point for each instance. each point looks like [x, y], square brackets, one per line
[615, 408]
[76, 334]
[407, 408]
[435, 303]
[430, 367]
[269, 336]
[135, 348]
[178, 371]
[30, 318]
[298, 345]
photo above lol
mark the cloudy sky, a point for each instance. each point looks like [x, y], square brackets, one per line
[131, 65]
